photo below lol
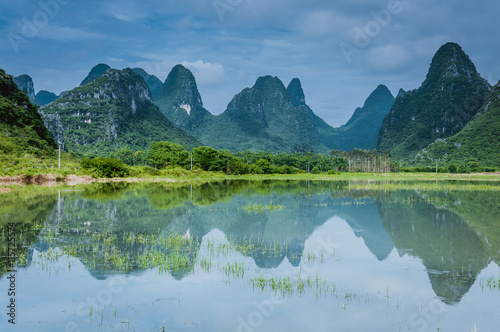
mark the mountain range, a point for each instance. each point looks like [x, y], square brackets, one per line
[110, 112]
[447, 100]
[131, 108]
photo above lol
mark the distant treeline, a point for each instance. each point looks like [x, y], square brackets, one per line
[168, 155]
[163, 155]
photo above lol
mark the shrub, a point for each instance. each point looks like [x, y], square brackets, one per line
[105, 167]
[164, 154]
[473, 167]
[264, 165]
[315, 170]
[138, 171]
[451, 168]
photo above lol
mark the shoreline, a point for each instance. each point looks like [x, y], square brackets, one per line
[50, 179]
[71, 180]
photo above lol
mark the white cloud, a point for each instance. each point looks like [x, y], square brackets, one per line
[205, 72]
[124, 10]
[67, 34]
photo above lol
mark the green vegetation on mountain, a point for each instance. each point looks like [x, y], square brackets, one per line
[21, 127]
[95, 72]
[477, 143]
[152, 81]
[361, 131]
[44, 97]
[414, 221]
[259, 118]
[180, 101]
[111, 112]
[450, 96]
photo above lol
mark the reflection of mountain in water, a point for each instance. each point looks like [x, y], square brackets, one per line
[366, 223]
[449, 249]
[120, 209]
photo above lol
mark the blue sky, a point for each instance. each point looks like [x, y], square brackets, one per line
[341, 50]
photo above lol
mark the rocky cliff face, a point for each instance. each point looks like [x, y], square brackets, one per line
[25, 84]
[180, 101]
[152, 81]
[478, 141]
[296, 92]
[450, 96]
[247, 110]
[113, 111]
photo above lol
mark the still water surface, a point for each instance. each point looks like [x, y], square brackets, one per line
[255, 256]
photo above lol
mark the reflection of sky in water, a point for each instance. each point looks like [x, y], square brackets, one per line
[390, 289]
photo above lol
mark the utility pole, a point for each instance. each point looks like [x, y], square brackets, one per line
[59, 155]
[308, 167]
[191, 162]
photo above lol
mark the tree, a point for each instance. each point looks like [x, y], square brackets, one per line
[126, 155]
[264, 165]
[164, 154]
[315, 170]
[105, 167]
[209, 159]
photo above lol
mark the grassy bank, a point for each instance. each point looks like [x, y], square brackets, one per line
[386, 181]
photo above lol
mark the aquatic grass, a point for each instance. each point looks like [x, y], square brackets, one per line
[235, 269]
[441, 185]
[492, 283]
[261, 208]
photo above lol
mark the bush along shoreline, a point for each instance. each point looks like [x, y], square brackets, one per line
[171, 160]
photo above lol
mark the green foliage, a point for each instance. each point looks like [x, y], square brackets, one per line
[21, 127]
[450, 96]
[105, 167]
[315, 170]
[165, 154]
[476, 147]
[122, 116]
[473, 167]
[255, 119]
[143, 171]
[452, 168]
[209, 159]
[395, 168]
[263, 166]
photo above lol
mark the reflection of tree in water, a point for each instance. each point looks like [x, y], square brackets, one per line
[28, 211]
[449, 249]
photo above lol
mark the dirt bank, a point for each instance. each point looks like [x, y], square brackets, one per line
[51, 179]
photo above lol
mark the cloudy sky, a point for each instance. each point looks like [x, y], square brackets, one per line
[340, 49]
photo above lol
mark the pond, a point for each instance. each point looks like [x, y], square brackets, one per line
[253, 256]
